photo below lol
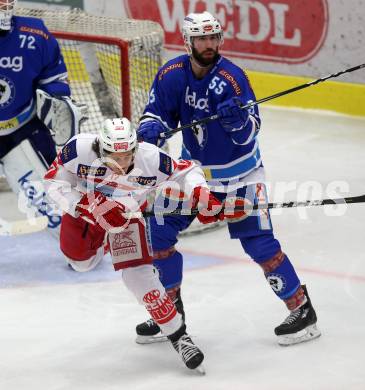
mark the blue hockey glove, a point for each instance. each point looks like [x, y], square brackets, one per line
[231, 116]
[150, 131]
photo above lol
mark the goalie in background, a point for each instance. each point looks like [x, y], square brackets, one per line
[34, 100]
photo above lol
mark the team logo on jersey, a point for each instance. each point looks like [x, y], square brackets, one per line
[68, 152]
[13, 63]
[277, 282]
[143, 180]
[201, 134]
[86, 170]
[192, 100]
[123, 243]
[166, 166]
[7, 91]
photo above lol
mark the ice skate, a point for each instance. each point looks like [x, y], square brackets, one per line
[190, 354]
[300, 325]
[149, 332]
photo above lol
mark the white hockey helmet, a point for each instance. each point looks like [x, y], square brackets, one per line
[117, 135]
[6, 13]
[197, 25]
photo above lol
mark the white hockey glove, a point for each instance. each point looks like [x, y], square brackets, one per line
[61, 115]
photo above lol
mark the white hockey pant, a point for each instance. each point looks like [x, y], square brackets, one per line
[144, 283]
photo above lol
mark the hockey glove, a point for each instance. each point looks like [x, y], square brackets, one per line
[150, 131]
[211, 210]
[62, 115]
[231, 116]
[234, 209]
[99, 210]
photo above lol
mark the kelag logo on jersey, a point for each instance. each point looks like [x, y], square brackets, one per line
[7, 91]
[13, 63]
[290, 31]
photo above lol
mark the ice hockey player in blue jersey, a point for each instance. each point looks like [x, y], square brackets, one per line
[34, 99]
[186, 89]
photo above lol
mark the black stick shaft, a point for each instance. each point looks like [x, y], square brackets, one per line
[263, 100]
[266, 206]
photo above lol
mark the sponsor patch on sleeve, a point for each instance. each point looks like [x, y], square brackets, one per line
[68, 152]
[166, 166]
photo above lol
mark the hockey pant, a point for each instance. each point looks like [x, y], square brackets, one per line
[257, 239]
[84, 244]
[26, 155]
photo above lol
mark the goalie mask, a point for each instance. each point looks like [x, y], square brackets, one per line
[200, 24]
[6, 13]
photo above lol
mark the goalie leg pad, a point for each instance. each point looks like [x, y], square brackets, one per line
[24, 170]
[145, 285]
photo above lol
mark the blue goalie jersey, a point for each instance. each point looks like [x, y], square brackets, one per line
[30, 58]
[178, 96]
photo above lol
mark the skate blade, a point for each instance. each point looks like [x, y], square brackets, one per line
[151, 339]
[200, 370]
[311, 332]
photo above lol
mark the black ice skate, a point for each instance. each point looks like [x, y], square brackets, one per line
[190, 354]
[149, 332]
[300, 325]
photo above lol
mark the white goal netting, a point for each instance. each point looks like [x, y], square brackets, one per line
[111, 62]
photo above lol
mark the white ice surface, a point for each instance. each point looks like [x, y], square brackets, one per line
[64, 330]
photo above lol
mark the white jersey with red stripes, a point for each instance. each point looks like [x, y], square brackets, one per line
[78, 170]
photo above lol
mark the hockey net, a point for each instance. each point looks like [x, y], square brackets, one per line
[111, 62]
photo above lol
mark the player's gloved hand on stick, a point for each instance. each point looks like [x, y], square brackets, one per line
[150, 131]
[234, 208]
[210, 208]
[96, 208]
[231, 116]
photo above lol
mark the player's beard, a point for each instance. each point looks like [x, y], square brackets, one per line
[203, 60]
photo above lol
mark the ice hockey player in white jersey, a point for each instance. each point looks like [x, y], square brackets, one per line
[34, 99]
[96, 180]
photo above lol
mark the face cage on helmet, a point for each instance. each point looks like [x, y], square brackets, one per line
[6, 14]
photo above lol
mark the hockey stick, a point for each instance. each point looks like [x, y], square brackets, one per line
[32, 225]
[263, 100]
[260, 206]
